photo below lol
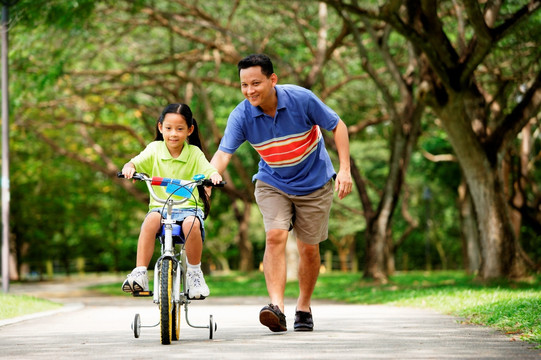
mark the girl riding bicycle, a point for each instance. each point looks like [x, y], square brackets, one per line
[175, 153]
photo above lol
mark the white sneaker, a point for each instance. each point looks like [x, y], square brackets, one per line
[136, 281]
[197, 287]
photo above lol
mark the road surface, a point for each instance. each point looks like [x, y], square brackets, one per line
[94, 327]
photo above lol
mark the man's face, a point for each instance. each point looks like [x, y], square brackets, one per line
[257, 88]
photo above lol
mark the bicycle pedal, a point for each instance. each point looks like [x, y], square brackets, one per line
[196, 299]
[142, 293]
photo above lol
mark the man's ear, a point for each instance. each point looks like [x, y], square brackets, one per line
[274, 79]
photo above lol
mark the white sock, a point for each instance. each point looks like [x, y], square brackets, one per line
[193, 267]
[142, 269]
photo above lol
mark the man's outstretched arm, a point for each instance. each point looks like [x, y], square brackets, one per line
[343, 178]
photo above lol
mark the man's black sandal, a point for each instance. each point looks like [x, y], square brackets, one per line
[303, 321]
[272, 317]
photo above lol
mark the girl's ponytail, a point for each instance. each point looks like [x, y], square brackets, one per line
[195, 140]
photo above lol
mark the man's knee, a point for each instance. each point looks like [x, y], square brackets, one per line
[276, 237]
[308, 252]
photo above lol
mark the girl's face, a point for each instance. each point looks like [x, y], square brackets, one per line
[175, 131]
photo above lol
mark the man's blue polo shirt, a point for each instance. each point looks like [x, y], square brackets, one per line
[291, 146]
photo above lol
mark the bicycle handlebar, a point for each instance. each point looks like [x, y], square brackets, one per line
[159, 181]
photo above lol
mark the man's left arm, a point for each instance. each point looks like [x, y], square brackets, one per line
[343, 178]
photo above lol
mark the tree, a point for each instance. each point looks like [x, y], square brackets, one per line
[103, 75]
[479, 111]
[111, 78]
[405, 111]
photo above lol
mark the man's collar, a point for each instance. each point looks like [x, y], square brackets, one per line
[257, 111]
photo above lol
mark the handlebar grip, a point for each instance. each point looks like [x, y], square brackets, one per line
[136, 176]
[208, 182]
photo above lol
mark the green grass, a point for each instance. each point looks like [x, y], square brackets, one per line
[19, 305]
[511, 307]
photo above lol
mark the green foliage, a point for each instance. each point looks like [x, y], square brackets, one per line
[88, 79]
[432, 189]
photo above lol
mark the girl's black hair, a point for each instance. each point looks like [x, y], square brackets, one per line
[193, 139]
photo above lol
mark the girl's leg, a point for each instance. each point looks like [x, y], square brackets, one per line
[147, 238]
[194, 242]
[196, 285]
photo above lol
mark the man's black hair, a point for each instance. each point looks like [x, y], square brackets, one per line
[257, 60]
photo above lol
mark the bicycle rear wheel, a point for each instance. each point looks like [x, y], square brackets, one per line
[166, 305]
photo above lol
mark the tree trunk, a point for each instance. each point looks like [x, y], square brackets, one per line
[470, 235]
[481, 168]
[390, 248]
[378, 230]
[375, 253]
[246, 250]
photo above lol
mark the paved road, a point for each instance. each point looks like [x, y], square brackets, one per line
[99, 328]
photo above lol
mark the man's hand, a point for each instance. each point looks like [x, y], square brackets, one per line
[343, 184]
[216, 178]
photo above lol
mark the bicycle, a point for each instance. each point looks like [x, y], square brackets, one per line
[170, 268]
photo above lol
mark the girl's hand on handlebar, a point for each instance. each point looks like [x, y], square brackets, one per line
[128, 170]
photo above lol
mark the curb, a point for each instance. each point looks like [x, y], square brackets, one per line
[66, 308]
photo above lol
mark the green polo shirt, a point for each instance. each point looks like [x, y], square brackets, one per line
[155, 160]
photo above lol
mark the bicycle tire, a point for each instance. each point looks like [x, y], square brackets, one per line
[166, 291]
[175, 331]
[136, 325]
[177, 310]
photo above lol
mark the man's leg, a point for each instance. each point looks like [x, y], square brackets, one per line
[275, 206]
[309, 264]
[274, 265]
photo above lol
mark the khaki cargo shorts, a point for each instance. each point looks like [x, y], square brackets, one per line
[311, 211]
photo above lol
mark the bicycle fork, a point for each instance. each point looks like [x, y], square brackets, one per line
[168, 253]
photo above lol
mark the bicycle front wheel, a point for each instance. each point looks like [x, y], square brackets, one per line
[175, 331]
[166, 306]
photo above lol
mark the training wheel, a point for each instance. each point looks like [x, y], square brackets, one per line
[136, 326]
[212, 327]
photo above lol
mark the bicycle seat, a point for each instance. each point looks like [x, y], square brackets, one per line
[178, 235]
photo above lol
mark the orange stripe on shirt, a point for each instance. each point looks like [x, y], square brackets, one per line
[291, 150]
